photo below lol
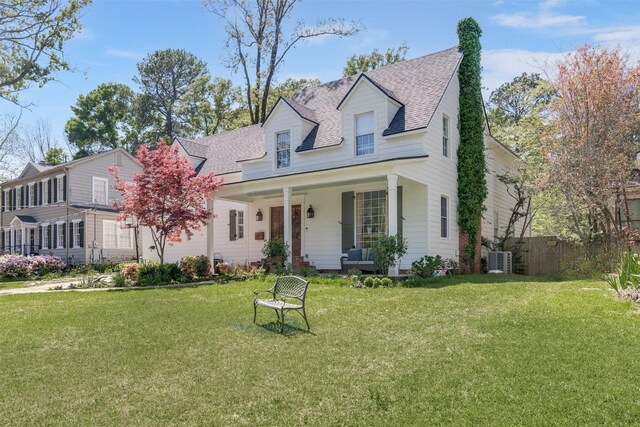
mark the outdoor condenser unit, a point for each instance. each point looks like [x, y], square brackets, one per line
[500, 261]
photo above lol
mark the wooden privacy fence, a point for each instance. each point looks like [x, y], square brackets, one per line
[539, 255]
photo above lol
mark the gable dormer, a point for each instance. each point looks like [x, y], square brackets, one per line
[367, 110]
[286, 127]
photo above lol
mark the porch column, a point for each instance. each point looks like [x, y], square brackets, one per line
[392, 205]
[210, 233]
[287, 220]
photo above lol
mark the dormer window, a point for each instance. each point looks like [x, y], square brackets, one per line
[364, 134]
[283, 150]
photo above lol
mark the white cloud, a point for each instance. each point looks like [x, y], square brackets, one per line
[84, 34]
[620, 34]
[502, 65]
[370, 39]
[545, 18]
[122, 53]
[537, 21]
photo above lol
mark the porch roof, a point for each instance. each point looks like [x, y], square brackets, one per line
[252, 189]
[25, 219]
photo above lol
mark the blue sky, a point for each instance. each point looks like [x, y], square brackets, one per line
[517, 36]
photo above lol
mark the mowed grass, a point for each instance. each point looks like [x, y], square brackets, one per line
[471, 350]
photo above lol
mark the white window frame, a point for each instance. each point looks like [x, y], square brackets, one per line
[32, 194]
[60, 185]
[120, 231]
[75, 229]
[446, 217]
[355, 134]
[7, 207]
[44, 232]
[18, 198]
[240, 223]
[106, 190]
[446, 136]
[45, 191]
[357, 221]
[287, 132]
[60, 242]
[7, 239]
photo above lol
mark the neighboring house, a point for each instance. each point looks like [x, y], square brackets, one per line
[344, 163]
[65, 210]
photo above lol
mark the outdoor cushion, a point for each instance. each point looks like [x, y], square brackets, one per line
[365, 254]
[355, 254]
[371, 255]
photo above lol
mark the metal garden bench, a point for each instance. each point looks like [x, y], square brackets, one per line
[287, 288]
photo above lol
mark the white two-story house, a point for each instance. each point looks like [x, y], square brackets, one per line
[65, 210]
[342, 164]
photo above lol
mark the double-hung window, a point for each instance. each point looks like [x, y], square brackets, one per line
[76, 234]
[7, 240]
[115, 236]
[445, 136]
[371, 217]
[44, 232]
[45, 191]
[240, 224]
[60, 235]
[60, 195]
[7, 205]
[364, 134]
[283, 150]
[444, 217]
[100, 189]
[32, 195]
[19, 197]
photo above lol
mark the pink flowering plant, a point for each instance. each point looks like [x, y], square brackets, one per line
[12, 266]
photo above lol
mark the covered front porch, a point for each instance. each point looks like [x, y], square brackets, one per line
[321, 215]
[20, 238]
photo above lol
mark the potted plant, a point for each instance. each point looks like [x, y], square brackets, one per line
[275, 251]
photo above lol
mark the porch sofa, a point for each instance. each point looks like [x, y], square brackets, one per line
[361, 259]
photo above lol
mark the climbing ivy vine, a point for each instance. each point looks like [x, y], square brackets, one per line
[472, 184]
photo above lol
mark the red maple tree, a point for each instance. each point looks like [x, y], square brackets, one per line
[167, 196]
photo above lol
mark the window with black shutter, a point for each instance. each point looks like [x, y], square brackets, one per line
[232, 225]
[55, 190]
[81, 228]
[40, 201]
[64, 188]
[49, 191]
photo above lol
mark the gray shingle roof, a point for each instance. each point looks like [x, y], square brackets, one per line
[418, 84]
[27, 219]
[193, 148]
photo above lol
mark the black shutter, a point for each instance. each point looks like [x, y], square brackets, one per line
[71, 234]
[54, 244]
[81, 229]
[232, 224]
[348, 205]
[64, 235]
[49, 229]
[40, 201]
[49, 191]
[1, 241]
[64, 188]
[55, 190]
[40, 231]
[22, 197]
[14, 199]
[399, 212]
[3, 203]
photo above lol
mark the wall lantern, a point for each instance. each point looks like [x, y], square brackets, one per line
[259, 215]
[310, 212]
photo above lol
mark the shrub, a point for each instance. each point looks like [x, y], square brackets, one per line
[154, 273]
[276, 251]
[22, 266]
[240, 271]
[307, 271]
[628, 276]
[387, 282]
[354, 272]
[426, 266]
[119, 280]
[195, 267]
[130, 271]
[387, 252]
[368, 282]
[377, 282]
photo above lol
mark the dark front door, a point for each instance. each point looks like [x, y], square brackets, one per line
[277, 227]
[32, 241]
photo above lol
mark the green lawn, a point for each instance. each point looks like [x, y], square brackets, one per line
[15, 283]
[465, 351]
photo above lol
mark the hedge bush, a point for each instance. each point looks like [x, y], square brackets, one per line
[154, 273]
[22, 266]
[195, 267]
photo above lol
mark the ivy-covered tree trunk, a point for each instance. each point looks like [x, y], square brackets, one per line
[472, 184]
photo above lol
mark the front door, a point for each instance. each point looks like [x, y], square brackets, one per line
[31, 241]
[277, 227]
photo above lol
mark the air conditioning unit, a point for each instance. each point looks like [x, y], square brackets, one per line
[500, 262]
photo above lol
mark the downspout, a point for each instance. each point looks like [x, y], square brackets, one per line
[66, 220]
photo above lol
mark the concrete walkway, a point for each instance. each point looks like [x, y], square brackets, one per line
[65, 288]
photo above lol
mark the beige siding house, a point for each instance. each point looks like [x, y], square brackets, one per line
[66, 210]
[337, 166]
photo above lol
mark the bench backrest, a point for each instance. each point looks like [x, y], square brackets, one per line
[291, 286]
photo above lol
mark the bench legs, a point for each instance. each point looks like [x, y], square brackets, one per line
[280, 315]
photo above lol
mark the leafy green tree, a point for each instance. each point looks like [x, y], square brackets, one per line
[102, 119]
[472, 167]
[32, 36]
[171, 78]
[258, 41]
[288, 88]
[363, 63]
[214, 108]
[55, 156]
